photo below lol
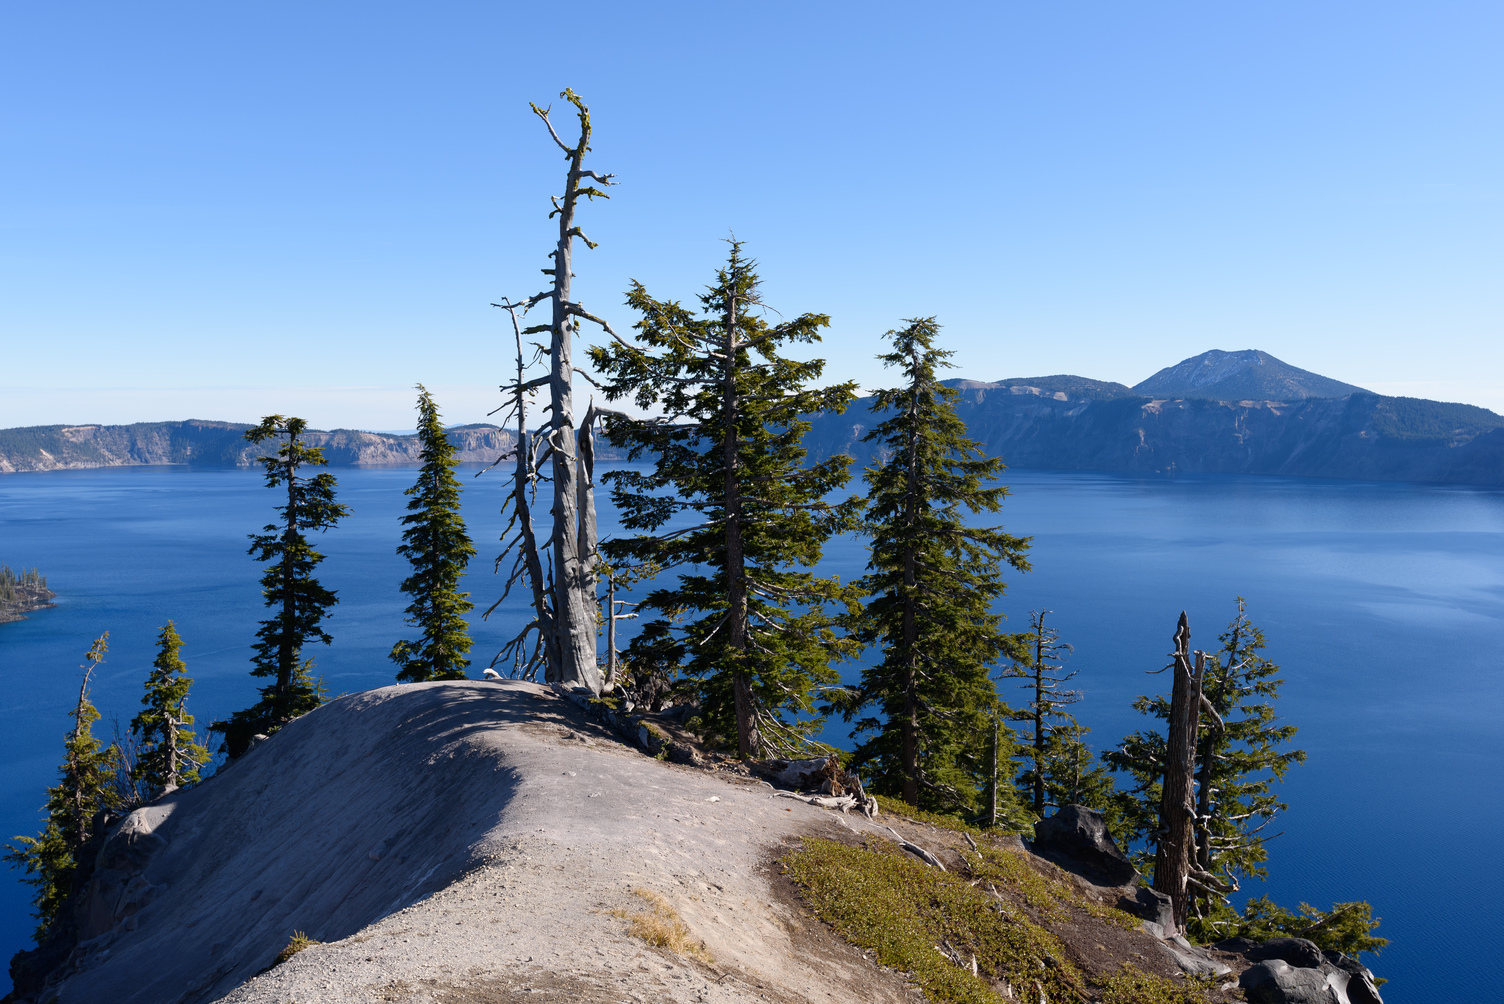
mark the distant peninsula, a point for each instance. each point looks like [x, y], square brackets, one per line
[1242, 412]
[22, 594]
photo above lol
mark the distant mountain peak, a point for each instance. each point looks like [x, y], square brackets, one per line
[1248, 375]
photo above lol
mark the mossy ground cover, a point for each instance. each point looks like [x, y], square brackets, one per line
[932, 924]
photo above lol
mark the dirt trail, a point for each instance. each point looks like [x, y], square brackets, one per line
[466, 843]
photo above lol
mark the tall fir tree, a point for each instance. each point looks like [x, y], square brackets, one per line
[743, 620]
[288, 584]
[438, 548]
[84, 787]
[169, 755]
[934, 579]
[1238, 763]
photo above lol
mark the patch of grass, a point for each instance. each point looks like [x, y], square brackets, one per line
[299, 942]
[931, 924]
[661, 926]
[1130, 986]
[1048, 896]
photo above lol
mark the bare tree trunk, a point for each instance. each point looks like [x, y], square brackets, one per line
[286, 656]
[1039, 705]
[909, 729]
[610, 630]
[992, 765]
[748, 737]
[1177, 812]
[575, 603]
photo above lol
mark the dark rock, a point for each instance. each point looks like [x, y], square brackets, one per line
[1298, 952]
[1347, 964]
[1151, 905]
[680, 753]
[1278, 982]
[1238, 946]
[1076, 838]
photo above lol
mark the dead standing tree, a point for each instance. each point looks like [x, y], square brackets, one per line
[565, 607]
[527, 564]
[1174, 856]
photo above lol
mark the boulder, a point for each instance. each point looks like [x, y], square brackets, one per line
[1150, 904]
[1076, 838]
[1298, 952]
[1278, 982]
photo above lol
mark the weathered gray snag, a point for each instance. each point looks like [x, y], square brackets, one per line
[527, 564]
[566, 619]
[1177, 812]
[574, 578]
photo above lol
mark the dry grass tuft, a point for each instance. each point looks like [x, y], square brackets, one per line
[299, 942]
[661, 927]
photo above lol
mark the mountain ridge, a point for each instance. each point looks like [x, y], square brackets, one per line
[1246, 375]
[1055, 422]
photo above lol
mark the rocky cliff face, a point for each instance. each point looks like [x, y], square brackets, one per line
[218, 444]
[1364, 436]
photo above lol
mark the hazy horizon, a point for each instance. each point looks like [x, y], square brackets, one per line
[238, 211]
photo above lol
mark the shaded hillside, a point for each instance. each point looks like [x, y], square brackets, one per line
[1364, 436]
[475, 842]
[218, 444]
[1249, 375]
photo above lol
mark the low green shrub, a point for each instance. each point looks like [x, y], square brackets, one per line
[931, 924]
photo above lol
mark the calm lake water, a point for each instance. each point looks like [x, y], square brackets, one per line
[1384, 603]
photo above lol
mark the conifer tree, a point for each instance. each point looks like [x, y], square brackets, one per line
[288, 584]
[934, 579]
[168, 756]
[1058, 768]
[51, 858]
[742, 620]
[1240, 754]
[436, 544]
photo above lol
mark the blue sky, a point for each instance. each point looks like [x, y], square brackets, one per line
[226, 210]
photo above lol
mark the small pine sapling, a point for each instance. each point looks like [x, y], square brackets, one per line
[168, 755]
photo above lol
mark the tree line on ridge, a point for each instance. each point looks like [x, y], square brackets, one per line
[726, 524]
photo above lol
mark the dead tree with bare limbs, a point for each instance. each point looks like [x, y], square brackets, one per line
[1237, 754]
[564, 601]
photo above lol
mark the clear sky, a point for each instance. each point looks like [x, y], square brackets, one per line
[226, 210]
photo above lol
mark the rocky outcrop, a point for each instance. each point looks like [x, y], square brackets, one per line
[1296, 971]
[1076, 838]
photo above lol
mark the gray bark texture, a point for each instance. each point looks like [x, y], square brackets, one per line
[1177, 811]
[574, 505]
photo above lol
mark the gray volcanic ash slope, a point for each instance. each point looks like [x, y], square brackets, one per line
[447, 838]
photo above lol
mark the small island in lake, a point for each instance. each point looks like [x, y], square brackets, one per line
[21, 594]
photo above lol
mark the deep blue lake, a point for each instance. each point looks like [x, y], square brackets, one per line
[1384, 603]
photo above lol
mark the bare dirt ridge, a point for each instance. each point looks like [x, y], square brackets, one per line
[469, 843]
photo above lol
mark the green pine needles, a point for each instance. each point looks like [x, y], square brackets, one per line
[934, 580]
[1237, 763]
[731, 505]
[84, 787]
[169, 756]
[436, 544]
[300, 601]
